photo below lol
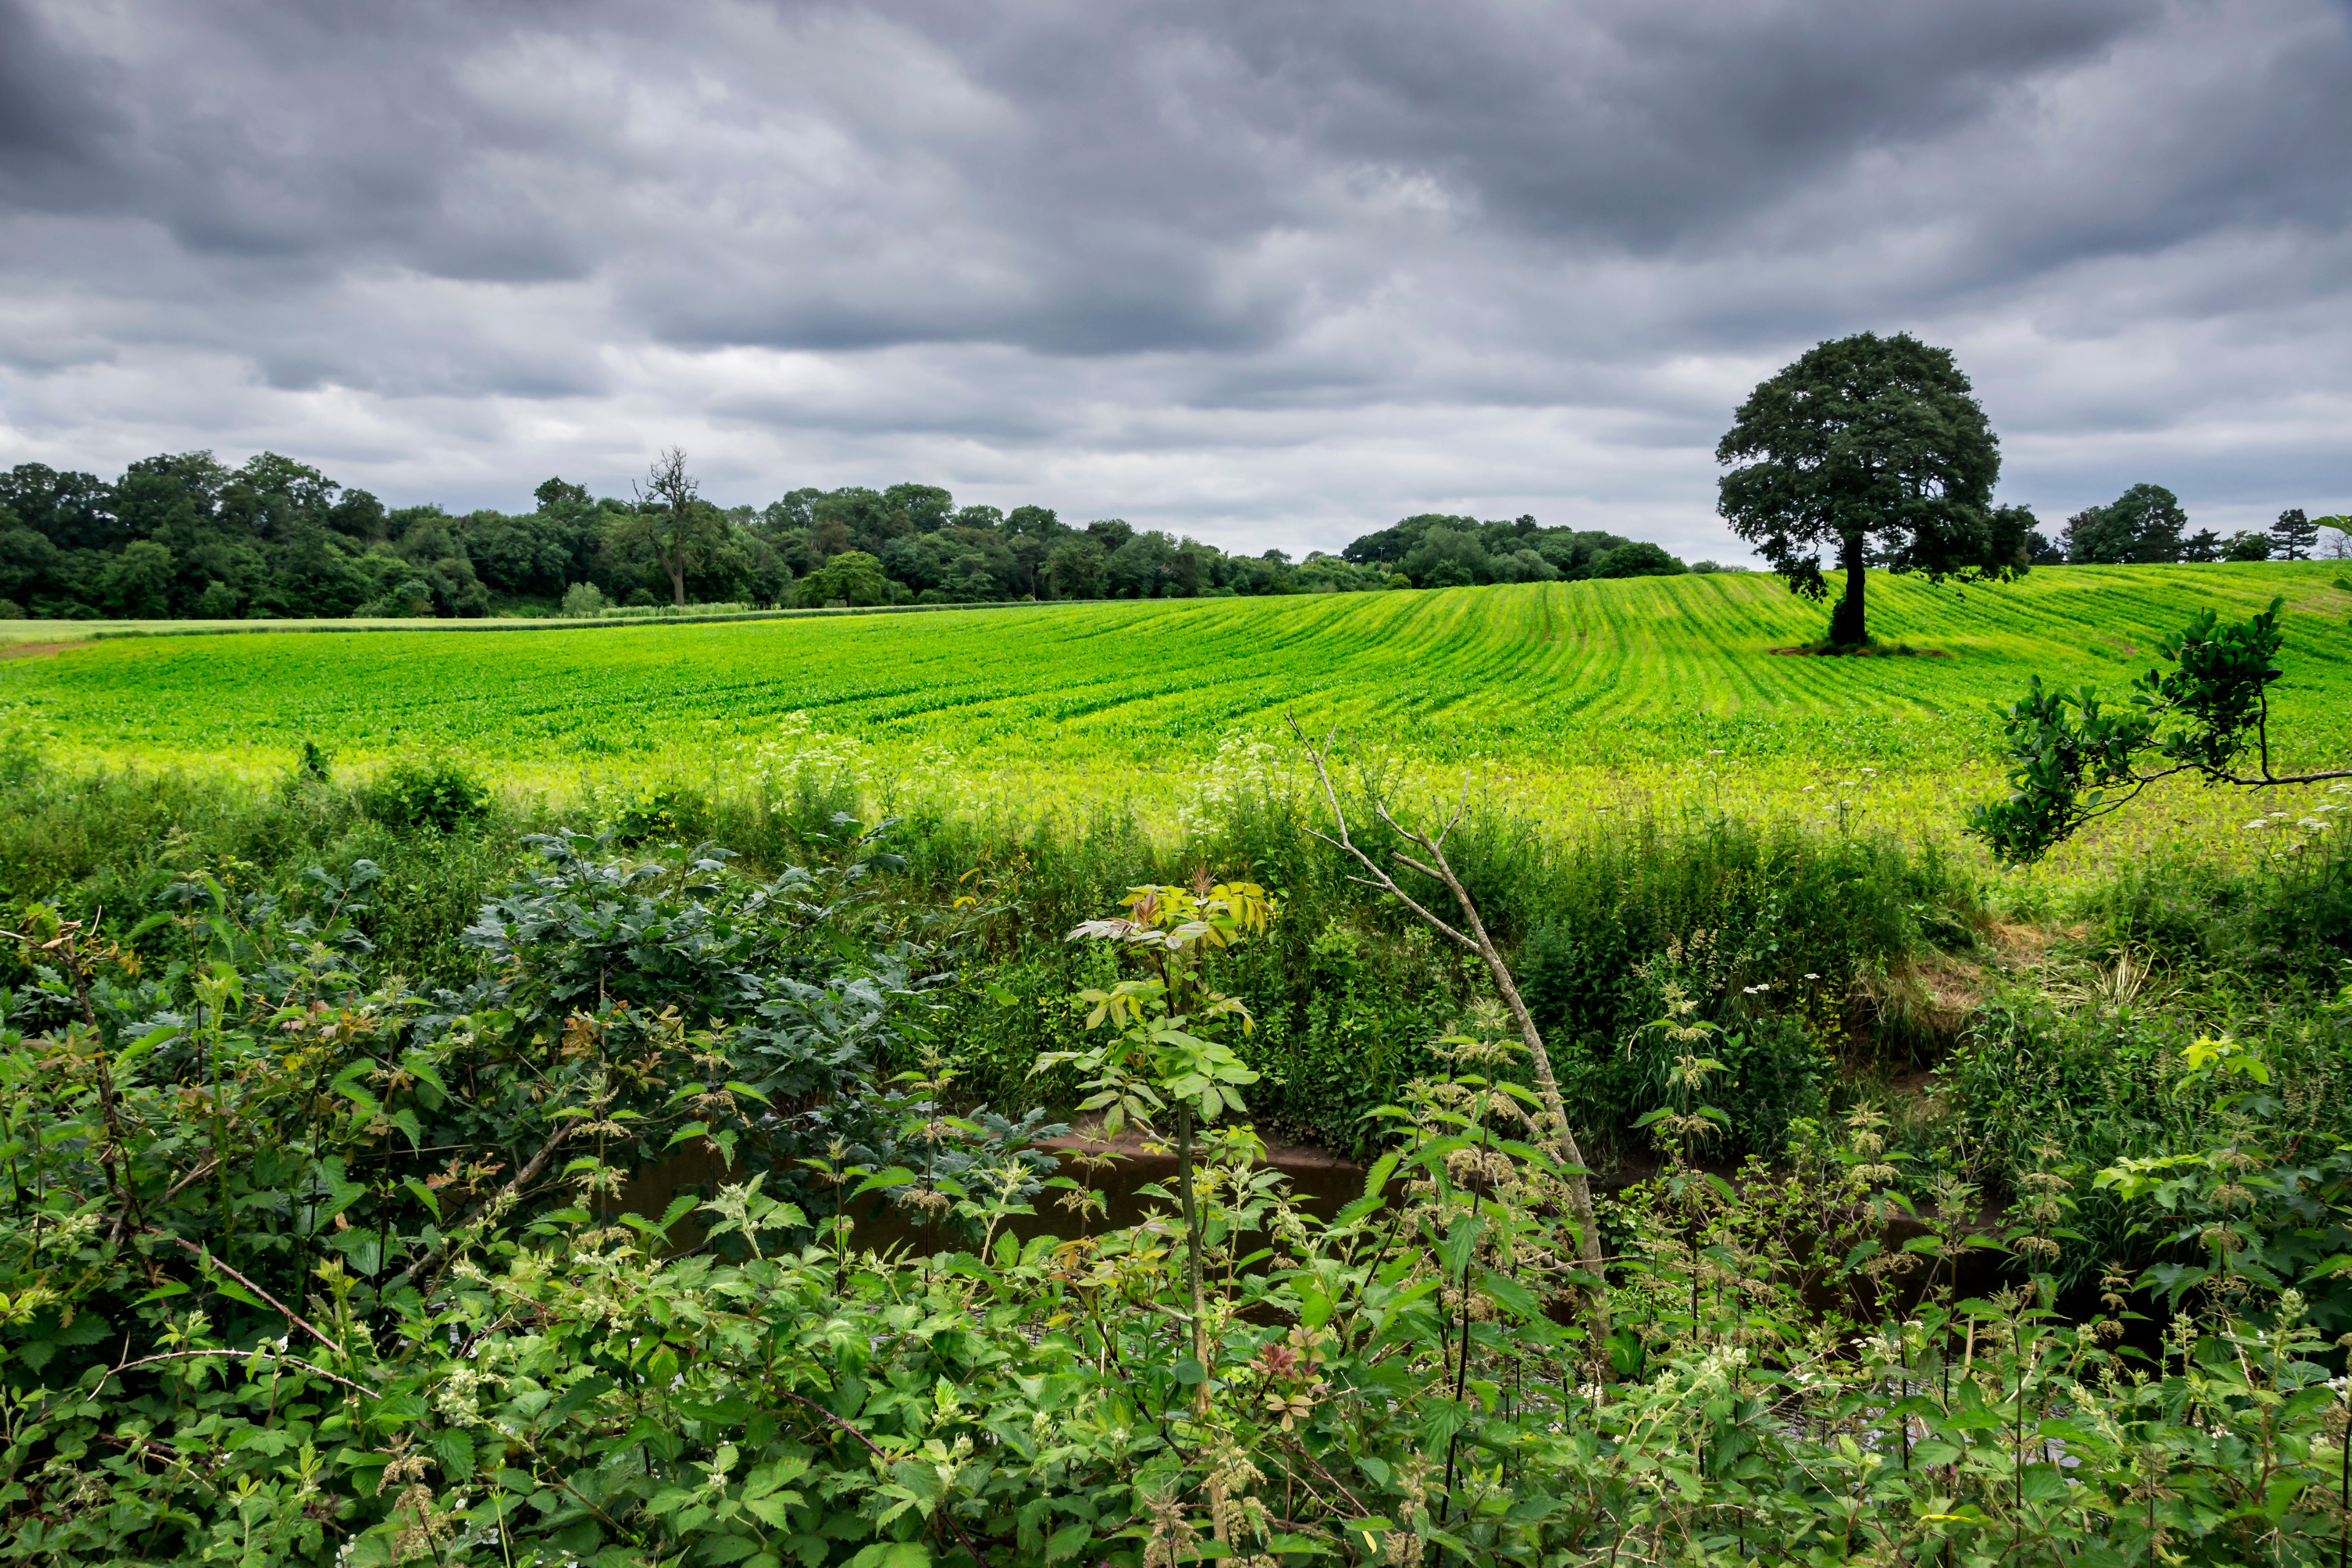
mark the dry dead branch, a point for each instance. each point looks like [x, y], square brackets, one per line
[1472, 934]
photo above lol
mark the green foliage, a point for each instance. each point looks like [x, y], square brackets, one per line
[1766, 932]
[1436, 550]
[1640, 559]
[429, 790]
[323, 1327]
[2110, 1052]
[1865, 440]
[2286, 924]
[2295, 534]
[1346, 999]
[275, 1288]
[1773, 929]
[1166, 1050]
[183, 536]
[2071, 761]
[2218, 1159]
[851, 577]
[1076, 569]
[2144, 524]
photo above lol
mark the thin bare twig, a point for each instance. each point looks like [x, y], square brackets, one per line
[270, 1356]
[421, 1270]
[1362, 1509]
[198, 1174]
[206, 1260]
[1474, 935]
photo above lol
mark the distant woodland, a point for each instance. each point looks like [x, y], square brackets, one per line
[187, 537]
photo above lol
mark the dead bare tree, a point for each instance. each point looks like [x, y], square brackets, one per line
[1472, 934]
[672, 519]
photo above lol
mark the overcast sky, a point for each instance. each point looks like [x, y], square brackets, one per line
[1263, 272]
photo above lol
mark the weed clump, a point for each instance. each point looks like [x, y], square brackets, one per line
[425, 792]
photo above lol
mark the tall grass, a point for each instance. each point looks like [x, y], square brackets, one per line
[1777, 929]
[113, 842]
[1796, 939]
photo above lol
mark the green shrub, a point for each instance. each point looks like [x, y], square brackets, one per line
[2288, 919]
[426, 792]
[653, 815]
[2101, 1083]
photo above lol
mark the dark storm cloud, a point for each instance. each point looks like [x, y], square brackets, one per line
[1642, 125]
[51, 119]
[294, 138]
[1251, 260]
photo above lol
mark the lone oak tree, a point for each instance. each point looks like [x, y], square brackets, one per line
[1869, 438]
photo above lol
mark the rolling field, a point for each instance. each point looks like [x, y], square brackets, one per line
[1561, 697]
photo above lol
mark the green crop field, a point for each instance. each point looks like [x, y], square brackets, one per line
[1563, 698]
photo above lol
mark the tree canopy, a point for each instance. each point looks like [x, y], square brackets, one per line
[1869, 447]
[2295, 534]
[1438, 550]
[2143, 525]
[2146, 525]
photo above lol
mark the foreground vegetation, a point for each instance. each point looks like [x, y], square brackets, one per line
[315, 1245]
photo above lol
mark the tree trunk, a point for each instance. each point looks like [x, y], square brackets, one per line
[676, 567]
[1847, 628]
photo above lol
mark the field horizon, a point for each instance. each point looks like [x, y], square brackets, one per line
[1562, 700]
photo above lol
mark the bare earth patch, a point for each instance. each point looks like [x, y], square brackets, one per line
[1937, 993]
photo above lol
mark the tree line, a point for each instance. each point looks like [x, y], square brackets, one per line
[186, 536]
[2146, 524]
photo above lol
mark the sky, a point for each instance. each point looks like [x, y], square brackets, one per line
[1271, 274]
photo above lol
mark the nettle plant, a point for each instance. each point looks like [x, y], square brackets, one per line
[1167, 1057]
[2247, 1209]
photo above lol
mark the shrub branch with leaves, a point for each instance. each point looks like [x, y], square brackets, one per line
[2072, 759]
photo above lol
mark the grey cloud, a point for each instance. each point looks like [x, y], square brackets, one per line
[1644, 125]
[1206, 246]
[294, 138]
[53, 116]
